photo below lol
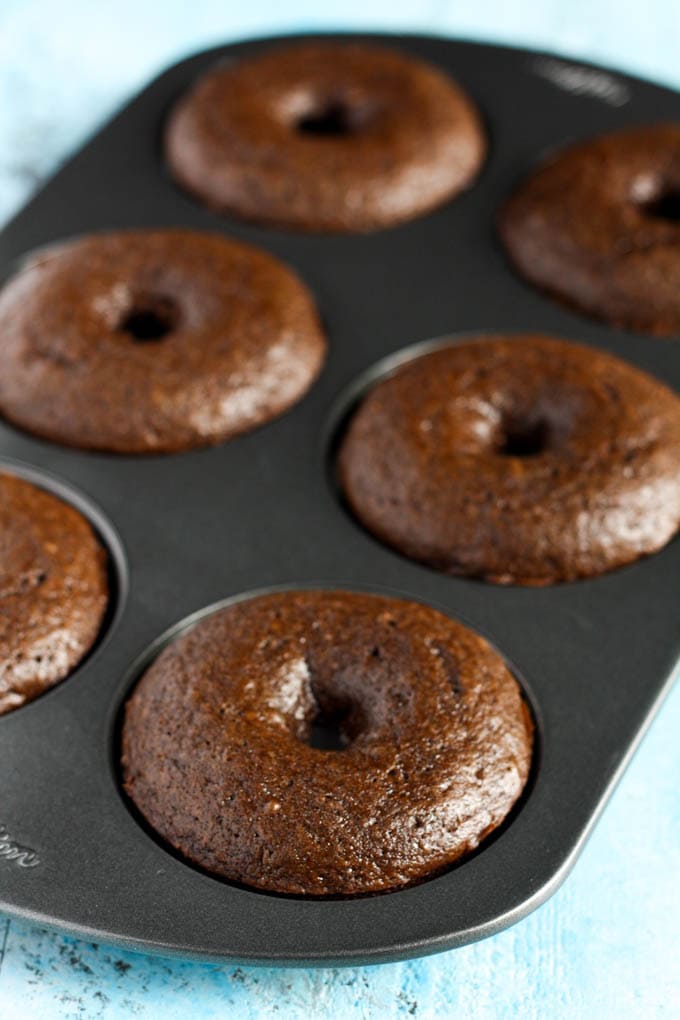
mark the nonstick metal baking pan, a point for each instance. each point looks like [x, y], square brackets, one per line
[187, 531]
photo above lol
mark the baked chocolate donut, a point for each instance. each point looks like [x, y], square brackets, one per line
[599, 227]
[216, 753]
[524, 460]
[154, 341]
[53, 590]
[325, 136]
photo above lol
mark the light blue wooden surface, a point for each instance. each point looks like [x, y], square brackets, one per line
[608, 944]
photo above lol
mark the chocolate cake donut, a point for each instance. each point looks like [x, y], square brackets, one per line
[154, 341]
[53, 590]
[524, 460]
[325, 136]
[599, 227]
[216, 747]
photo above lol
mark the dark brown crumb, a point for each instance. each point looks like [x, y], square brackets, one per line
[53, 590]
[218, 756]
[599, 228]
[325, 137]
[523, 460]
[161, 340]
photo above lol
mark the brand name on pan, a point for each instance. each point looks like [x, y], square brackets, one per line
[583, 81]
[10, 850]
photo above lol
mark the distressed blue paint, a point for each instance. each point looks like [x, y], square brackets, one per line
[603, 946]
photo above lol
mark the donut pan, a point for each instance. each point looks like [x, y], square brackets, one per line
[187, 531]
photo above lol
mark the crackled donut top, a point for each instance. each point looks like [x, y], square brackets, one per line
[599, 227]
[325, 136]
[53, 590]
[435, 743]
[159, 340]
[519, 459]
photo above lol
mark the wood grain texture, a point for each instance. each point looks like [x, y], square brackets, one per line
[606, 944]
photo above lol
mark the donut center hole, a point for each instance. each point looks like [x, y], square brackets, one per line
[150, 318]
[524, 437]
[664, 206]
[336, 722]
[326, 733]
[332, 118]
